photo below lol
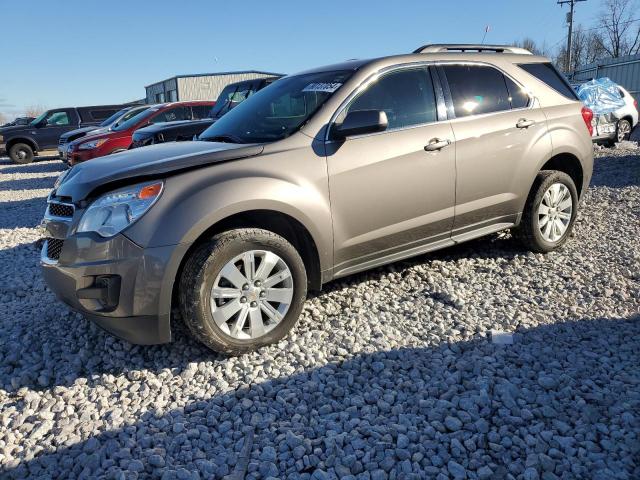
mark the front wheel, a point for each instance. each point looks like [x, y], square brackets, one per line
[21, 153]
[549, 213]
[242, 290]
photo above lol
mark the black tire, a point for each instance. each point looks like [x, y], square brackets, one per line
[202, 269]
[528, 231]
[21, 153]
[623, 130]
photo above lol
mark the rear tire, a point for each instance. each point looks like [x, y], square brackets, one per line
[548, 217]
[21, 153]
[623, 130]
[229, 303]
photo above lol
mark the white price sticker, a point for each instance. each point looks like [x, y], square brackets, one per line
[322, 87]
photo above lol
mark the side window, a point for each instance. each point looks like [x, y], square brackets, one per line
[200, 111]
[406, 96]
[58, 119]
[476, 89]
[173, 114]
[518, 97]
[101, 114]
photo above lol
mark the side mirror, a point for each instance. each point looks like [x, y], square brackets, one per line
[361, 122]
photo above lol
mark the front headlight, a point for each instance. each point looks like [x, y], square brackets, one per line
[114, 211]
[92, 144]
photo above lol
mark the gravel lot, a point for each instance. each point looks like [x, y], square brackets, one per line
[389, 374]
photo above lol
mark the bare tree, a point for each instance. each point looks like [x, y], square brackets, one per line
[3, 119]
[34, 110]
[529, 44]
[620, 32]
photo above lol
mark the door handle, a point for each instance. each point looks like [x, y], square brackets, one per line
[524, 123]
[436, 144]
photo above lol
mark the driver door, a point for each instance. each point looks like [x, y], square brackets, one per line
[390, 198]
[52, 127]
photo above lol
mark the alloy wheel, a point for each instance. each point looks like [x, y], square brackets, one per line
[554, 212]
[251, 294]
[624, 128]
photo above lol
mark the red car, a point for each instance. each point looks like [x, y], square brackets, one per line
[119, 138]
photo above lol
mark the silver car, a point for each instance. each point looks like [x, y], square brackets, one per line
[320, 175]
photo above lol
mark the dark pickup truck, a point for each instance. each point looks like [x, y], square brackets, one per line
[23, 142]
[181, 130]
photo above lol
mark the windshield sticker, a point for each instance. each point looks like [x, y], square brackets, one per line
[322, 87]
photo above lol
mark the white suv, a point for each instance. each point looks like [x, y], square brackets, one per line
[628, 116]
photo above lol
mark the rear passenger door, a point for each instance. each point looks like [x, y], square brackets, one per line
[498, 128]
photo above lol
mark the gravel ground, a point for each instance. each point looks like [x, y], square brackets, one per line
[389, 374]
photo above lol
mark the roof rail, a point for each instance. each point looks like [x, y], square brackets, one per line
[470, 47]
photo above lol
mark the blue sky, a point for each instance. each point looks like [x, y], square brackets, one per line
[81, 52]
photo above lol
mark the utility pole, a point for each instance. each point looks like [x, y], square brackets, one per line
[572, 4]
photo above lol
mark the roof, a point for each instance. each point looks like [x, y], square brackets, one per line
[217, 74]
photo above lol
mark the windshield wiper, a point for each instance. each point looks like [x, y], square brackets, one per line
[224, 139]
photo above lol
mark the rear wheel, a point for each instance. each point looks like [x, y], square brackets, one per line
[21, 153]
[242, 290]
[549, 213]
[623, 130]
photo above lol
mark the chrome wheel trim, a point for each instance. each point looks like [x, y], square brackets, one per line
[251, 294]
[623, 129]
[554, 212]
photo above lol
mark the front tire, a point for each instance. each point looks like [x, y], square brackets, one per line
[21, 153]
[242, 290]
[550, 212]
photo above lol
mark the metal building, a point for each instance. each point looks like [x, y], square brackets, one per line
[624, 71]
[203, 86]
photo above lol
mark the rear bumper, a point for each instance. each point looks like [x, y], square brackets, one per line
[123, 288]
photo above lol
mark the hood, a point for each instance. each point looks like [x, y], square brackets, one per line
[153, 161]
[16, 128]
[83, 130]
[168, 126]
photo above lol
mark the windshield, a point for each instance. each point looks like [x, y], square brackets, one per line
[39, 118]
[277, 111]
[113, 118]
[131, 122]
[231, 96]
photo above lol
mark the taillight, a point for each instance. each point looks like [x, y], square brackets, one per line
[587, 116]
[635, 104]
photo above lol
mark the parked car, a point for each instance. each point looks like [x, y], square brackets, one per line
[323, 174]
[18, 121]
[118, 139]
[615, 110]
[181, 130]
[43, 133]
[113, 121]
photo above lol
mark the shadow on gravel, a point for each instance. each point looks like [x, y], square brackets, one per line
[28, 183]
[617, 172]
[36, 167]
[565, 399]
[22, 213]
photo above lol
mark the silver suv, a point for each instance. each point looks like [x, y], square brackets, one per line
[320, 175]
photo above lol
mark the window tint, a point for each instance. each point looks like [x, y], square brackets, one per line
[102, 114]
[476, 89]
[173, 114]
[58, 118]
[406, 96]
[200, 111]
[547, 73]
[517, 95]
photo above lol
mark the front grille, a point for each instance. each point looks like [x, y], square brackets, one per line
[54, 247]
[62, 141]
[61, 210]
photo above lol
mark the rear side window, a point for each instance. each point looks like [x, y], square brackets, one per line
[173, 114]
[406, 96]
[200, 111]
[476, 89]
[100, 115]
[548, 74]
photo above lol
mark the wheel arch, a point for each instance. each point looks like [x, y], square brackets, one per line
[26, 140]
[568, 163]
